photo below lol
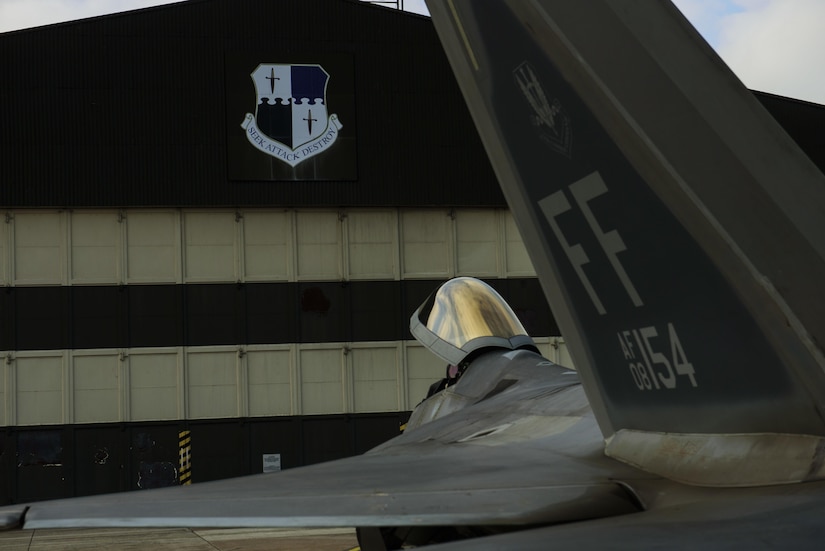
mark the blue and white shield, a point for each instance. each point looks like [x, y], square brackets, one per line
[291, 121]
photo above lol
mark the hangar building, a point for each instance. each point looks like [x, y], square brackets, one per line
[217, 218]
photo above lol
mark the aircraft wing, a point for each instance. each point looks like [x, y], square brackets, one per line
[530, 454]
[784, 517]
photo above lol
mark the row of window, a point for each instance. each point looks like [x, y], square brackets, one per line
[173, 246]
[101, 386]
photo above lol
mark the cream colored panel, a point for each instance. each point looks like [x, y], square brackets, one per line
[269, 377]
[153, 246]
[153, 386]
[39, 248]
[322, 386]
[213, 384]
[210, 246]
[372, 245]
[516, 259]
[96, 388]
[95, 247]
[375, 374]
[477, 243]
[423, 369]
[546, 348]
[426, 243]
[267, 251]
[39, 396]
[319, 245]
[562, 355]
[555, 350]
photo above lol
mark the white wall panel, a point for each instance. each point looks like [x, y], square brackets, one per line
[322, 384]
[372, 243]
[318, 238]
[39, 248]
[555, 350]
[269, 375]
[154, 391]
[96, 383]
[95, 247]
[153, 246]
[5, 419]
[39, 394]
[375, 378]
[210, 246]
[165, 246]
[517, 261]
[477, 238]
[426, 243]
[423, 369]
[212, 383]
[267, 246]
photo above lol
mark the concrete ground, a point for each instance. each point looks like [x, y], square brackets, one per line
[179, 539]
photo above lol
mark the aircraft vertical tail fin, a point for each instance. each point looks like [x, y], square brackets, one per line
[675, 228]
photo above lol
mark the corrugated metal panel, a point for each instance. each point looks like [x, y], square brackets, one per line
[139, 316]
[802, 120]
[74, 460]
[131, 109]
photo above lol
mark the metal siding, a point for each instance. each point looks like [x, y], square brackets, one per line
[375, 311]
[72, 460]
[802, 120]
[282, 436]
[43, 469]
[100, 455]
[375, 430]
[153, 455]
[324, 308]
[271, 313]
[8, 453]
[139, 316]
[218, 450]
[7, 324]
[214, 314]
[155, 315]
[97, 316]
[129, 109]
[41, 318]
[327, 437]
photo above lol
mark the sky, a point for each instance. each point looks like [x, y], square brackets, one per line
[776, 46]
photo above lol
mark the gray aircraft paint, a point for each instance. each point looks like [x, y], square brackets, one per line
[635, 292]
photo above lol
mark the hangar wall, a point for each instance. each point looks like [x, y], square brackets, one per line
[257, 330]
[165, 271]
[143, 315]
[162, 275]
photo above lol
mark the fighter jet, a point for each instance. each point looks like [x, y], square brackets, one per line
[678, 234]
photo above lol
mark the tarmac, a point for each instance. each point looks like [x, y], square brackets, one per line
[179, 539]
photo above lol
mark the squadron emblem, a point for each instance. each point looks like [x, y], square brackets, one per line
[291, 120]
[549, 118]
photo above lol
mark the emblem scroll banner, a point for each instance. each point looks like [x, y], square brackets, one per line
[292, 157]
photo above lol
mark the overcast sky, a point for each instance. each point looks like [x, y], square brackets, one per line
[776, 46]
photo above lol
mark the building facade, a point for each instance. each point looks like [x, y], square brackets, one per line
[218, 216]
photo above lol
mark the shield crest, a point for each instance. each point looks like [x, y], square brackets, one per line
[291, 120]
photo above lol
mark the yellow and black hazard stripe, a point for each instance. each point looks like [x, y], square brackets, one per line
[185, 458]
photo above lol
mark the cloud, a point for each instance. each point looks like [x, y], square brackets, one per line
[707, 15]
[777, 46]
[22, 14]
